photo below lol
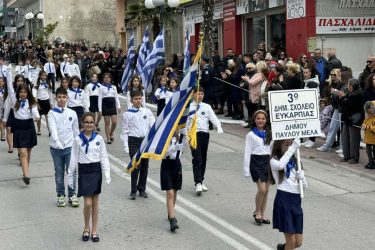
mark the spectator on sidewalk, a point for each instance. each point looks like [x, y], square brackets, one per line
[369, 89]
[320, 64]
[352, 117]
[369, 69]
[369, 135]
[332, 63]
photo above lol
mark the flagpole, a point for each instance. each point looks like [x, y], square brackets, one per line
[300, 184]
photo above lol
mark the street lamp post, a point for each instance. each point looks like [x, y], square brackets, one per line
[33, 21]
[151, 4]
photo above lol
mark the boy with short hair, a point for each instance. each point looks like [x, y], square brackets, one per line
[136, 122]
[63, 125]
[205, 115]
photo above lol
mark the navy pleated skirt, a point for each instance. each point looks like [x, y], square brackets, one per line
[109, 106]
[287, 213]
[24, 134]
[94, 104]
[170, 174]
[260, 168]
[89, 179]
[79, 111]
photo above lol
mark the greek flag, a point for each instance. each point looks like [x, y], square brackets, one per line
[187, 53]
[152, 61]
[144, 50]
[128, 71]
[173, 116]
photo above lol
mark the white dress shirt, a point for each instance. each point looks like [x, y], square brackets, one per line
[254, 145]
[19, 69]
[90, 91]
[97, 152]
[63, 128]
[104, 92]
[168, 96]
[77, 100]
[136, 124]
[5, 71]
[33, 74]
[7, 108]
[43, 92]
[205, 114]
[73, 70]
[26, 69]
[160, 93]
[25, 113]
[64, 68]
[50, 68]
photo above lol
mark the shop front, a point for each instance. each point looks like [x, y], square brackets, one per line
[263, 23]
[348, 28]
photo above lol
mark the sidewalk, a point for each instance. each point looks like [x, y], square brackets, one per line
[330, 158]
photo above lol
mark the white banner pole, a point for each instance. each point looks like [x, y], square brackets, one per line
[299, 168]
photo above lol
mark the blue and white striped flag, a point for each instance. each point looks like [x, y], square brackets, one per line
[152, 61]
[143, 52]
[173, 116]
[128, 70]
[187, 53]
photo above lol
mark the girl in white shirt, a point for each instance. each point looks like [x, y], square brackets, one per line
[24, 135]
[287, 210]
[19, 68]
[135, 84]
[92, 92]
[109, 106]
[42, 91]
[77, 98]
[89, 156]
[173, 84]
[160, 94]
[256, 162]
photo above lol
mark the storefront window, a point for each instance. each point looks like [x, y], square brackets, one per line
[276, 38]
[256, 32]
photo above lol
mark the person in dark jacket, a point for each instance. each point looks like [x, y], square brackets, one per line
[250, 71]
[293, 81]
[369, 89]
[332, 63]
[207, 80]
[352, 116]
[370, 69]
[220, 89]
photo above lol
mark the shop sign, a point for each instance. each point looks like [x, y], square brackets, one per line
[295, 9]
[345, 4]
[242, 7]
[257, 5]
[189, 20]
[229, 11]
[198, 14]
[294, 113]
[275, 3]
[335, 25]
[218, 9]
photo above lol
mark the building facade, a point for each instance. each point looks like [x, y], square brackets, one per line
[92, 21]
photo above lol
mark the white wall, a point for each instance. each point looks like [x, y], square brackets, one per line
[351, 50]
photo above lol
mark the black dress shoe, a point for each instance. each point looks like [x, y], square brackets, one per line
[280, 246]
[26, 180]
[173, 224]
[86, 235]
[95, 238]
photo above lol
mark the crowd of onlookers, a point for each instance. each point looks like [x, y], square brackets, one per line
[236, 84]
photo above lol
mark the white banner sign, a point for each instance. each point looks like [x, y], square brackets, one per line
[295, 9]
[334, 25]
[294, 113]
[242, 7]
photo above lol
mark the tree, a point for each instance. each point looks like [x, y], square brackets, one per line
[42, 34]
[208, 26]
[138, 14]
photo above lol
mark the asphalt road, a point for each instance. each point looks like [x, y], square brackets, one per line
[338, 206]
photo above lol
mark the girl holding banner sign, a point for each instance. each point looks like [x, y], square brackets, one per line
[287, 210]
[256, 162]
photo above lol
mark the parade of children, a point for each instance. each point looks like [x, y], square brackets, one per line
[170, 132]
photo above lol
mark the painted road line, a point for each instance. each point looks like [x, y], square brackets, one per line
[235, 230]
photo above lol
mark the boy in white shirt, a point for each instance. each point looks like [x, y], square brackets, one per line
[136, 123]
[63, 125]
[49, 67]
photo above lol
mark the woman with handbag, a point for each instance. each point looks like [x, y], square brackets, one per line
[352, 117]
